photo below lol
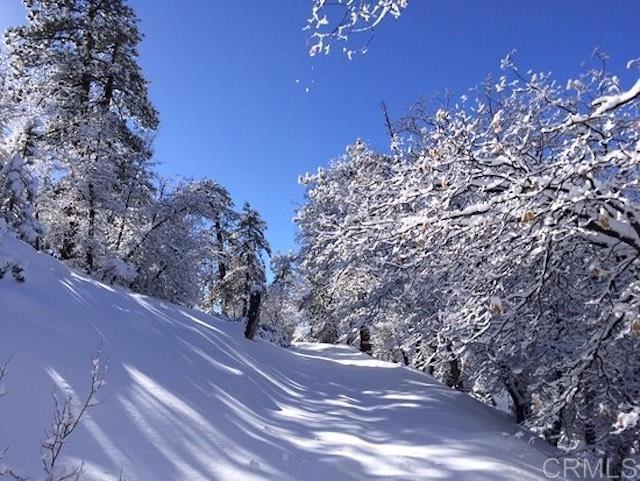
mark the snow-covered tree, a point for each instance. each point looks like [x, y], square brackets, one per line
[18, 185]
[176, 253]
[497, 249]
[246, 270]
[73, 72]
[5, 97]
[282, 311]
[77, 61]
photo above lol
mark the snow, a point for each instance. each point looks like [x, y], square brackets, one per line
[188, 398]
[610, 102]
[627, 420]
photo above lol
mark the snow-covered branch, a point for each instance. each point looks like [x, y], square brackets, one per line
[337, 21]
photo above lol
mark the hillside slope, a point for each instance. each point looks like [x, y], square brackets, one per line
[187, 398]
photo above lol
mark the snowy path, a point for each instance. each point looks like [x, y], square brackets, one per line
[189, 399]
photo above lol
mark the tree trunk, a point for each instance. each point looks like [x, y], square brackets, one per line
[246, 300]
[107, 96]
[519, 402]
[91, 233]
[69, 239]
[589, 426]
[365, 340]
[552, 435]
[405, 358]
[454, 374]
[453, 379]
[253, 315]
[222, 267]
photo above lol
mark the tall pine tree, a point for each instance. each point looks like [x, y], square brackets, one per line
[77, 61]
[18, 185]
[245, 279]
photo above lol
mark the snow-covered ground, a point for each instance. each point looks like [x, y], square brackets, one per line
[188, 398]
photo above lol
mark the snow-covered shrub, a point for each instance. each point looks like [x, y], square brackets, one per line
[116, 270]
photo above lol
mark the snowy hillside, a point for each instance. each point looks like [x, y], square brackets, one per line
[188, 398]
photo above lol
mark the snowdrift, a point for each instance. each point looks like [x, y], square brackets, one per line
[188, 398]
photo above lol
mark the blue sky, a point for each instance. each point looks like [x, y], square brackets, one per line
[223, 75]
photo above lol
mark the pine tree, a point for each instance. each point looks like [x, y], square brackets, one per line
[245, 280]
[77, 60]
[18, 185]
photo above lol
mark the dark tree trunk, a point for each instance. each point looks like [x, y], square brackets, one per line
[614, 461]
[365, 340]
[107, 96]
[92, 228]
[589, 427]
[69, 240]
[552, 435]
[454, 374]
[247, 297]
[520, 406]
[38, 244]
[405, 358]
[253, 315]
[454, 369]
[66, 251]
[222, 267]
[419, 358]
[430, 361]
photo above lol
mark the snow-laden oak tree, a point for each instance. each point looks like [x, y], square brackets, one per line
[498, 248]
[282, 313]
[336, 21]
[176, 251]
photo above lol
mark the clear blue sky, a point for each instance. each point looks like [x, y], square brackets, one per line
[223, 75]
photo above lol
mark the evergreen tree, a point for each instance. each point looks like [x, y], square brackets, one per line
[246, 274]
[18, 185]
[217, 259]
[77, 60]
